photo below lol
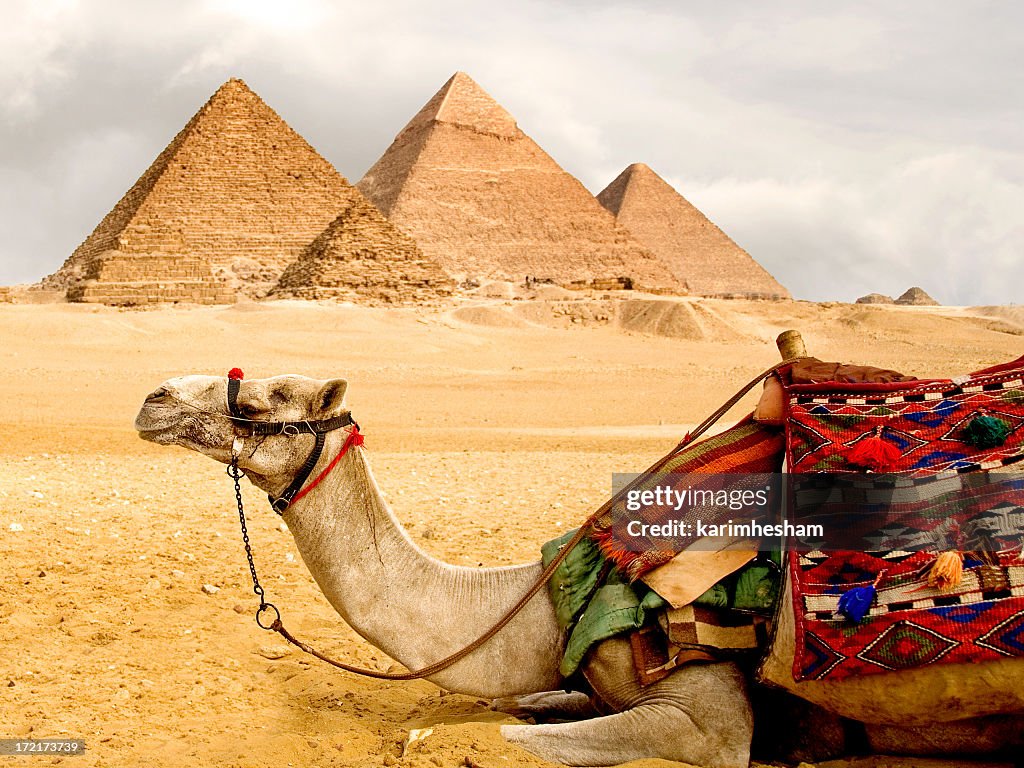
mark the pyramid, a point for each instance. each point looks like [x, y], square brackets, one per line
[692, 247]
[361, 257]
[232, 200]
[875, 298]
[482, 199]
[916, 297]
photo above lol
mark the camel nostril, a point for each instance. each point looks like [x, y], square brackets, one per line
[157, 395]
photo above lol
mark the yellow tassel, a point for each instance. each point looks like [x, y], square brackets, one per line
[946, 572]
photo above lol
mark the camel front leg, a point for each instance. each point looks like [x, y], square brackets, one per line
[548, 706]
[698, 715]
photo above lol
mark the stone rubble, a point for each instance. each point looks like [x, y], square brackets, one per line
[916, 297]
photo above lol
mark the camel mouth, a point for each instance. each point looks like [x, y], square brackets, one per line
[152, 429]
[158, 435]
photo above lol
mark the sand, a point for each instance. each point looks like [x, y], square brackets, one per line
[492, 428]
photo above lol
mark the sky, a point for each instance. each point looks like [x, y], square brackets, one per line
[848, 147]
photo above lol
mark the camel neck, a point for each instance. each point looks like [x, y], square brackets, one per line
[410, 605]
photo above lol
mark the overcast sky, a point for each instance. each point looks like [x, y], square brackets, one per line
[849, 147]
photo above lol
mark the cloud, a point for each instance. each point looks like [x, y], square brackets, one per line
[30, 41]
[947, 222]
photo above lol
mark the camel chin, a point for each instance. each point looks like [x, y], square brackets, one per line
[154, 425]
[158, 435]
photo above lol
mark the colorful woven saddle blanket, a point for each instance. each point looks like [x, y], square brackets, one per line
[954, 450]
[746, 450]
[593, 602]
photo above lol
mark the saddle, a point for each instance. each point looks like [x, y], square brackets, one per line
[831, 420]
[945, 584]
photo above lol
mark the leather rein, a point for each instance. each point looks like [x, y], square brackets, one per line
[295, 491]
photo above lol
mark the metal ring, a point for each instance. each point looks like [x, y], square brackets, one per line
[259, 613]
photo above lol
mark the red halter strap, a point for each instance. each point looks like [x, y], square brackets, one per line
[354, 438]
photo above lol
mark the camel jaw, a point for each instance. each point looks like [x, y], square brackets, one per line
[160, 436]
[155, 425]
[168, 426]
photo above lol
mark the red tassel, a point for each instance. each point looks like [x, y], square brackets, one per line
[236, 373]
[873, 453]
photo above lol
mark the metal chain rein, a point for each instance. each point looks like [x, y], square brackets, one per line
[236, 475]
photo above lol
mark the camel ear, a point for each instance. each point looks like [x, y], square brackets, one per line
[330, 400]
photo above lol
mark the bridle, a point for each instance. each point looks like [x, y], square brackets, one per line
[250, 428]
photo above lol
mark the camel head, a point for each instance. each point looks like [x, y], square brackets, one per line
[192, 411]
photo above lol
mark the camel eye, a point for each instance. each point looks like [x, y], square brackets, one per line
[250, 411]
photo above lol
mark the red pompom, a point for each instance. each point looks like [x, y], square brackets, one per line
[874, 453]
[236, 373]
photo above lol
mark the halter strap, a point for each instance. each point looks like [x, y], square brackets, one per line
[234, 385]
[282, 502]
[316, 427]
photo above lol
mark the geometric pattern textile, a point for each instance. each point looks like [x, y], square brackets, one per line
[746, 449]
[923, 420]
[909, 624]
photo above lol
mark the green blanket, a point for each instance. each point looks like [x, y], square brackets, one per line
[593, 602]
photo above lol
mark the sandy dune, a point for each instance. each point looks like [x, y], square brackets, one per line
[492, 428]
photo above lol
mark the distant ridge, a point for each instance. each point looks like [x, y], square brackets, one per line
[233, 199]
[482, 199]
[691, 246]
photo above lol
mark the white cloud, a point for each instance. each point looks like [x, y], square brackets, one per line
[948, 222]
[31, 41]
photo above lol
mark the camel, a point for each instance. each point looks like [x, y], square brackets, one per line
[417, 609]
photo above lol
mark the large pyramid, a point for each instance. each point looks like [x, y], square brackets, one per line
[480, 197]
[232, 200]
[361, 257]
[692, 247]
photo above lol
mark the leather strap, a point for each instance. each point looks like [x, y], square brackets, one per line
[234, 385]
[319, 427]
[281, 503]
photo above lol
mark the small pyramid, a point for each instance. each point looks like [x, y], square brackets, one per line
[916, 297]
[483, 200]
[232, 200]
[361, 257]
[690, 245]
[875, 298]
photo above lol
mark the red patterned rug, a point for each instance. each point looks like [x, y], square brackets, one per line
[940, 429]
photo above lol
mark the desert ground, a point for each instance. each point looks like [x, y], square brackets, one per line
[492, 426]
